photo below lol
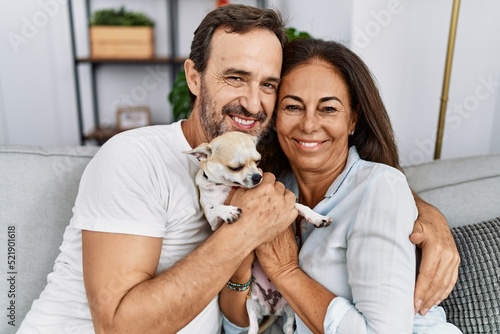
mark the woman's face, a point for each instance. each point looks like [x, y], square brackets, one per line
[314, 117]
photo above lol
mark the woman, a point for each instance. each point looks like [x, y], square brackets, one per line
[358, 274]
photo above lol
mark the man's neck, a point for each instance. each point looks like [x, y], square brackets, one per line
[193, 131]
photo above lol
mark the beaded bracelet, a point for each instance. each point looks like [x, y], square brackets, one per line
[239, 287]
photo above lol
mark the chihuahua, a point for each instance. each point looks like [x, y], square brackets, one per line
[228, 161]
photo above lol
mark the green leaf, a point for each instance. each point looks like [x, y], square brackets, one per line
[120, 17]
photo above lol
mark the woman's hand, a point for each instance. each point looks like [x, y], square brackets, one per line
[279, 257]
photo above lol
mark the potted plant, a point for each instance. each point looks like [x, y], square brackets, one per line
[179, 95]
[121, 34]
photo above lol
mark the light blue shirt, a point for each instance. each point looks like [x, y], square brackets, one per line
[365, 256]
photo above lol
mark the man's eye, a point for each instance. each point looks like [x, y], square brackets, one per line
[270, 86]
[235, 169]
[234, 78]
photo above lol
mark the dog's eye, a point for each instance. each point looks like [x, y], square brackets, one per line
[235, 169]
[257, 162]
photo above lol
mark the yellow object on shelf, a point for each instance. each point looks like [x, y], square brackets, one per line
[121, 42]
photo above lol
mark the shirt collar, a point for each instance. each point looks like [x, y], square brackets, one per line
[352, 158]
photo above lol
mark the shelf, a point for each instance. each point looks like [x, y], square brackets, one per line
[155, 60]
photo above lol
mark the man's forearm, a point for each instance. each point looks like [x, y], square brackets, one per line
[428, 212]
[169, 301]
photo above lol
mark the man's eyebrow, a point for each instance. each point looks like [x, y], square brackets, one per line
[236, 71]
[276, 80]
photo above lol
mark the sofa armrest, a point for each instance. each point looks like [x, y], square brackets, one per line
[38, 187]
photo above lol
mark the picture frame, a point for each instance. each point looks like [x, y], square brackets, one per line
[132, 117]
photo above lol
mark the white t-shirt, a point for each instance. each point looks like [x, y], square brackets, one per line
[138, 183]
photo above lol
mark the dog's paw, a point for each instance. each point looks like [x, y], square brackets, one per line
[313, 217]
[319, 221]
[324, 222]
[229, 213]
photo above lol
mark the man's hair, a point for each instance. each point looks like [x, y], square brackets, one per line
[373, 136]
[235, 18]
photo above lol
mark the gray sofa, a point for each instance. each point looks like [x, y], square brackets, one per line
[38, 187]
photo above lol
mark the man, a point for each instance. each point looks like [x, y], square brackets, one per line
[138, 255]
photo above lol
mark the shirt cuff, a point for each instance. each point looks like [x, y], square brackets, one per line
[230, 328]
[335, 313]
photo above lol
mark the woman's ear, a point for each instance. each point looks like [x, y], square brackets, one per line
[354, 120]
[193, 77]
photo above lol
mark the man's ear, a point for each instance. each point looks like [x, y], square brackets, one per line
[201, 152]
[193, 77]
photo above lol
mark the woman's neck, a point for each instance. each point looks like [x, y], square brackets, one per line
[314, 184]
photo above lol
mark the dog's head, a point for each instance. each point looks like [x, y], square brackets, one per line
[230, 159]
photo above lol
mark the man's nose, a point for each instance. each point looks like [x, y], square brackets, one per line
[251, 100]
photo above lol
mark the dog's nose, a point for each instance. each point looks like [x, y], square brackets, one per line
[256, 178]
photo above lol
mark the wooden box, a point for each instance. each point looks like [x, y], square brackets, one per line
[119, 42]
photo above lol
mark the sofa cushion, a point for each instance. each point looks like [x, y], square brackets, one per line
[474, 304]
[38, 187]
[466, 190]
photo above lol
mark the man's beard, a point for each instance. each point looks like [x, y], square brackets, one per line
[213, 121]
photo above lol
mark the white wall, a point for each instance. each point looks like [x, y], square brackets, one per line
[405, 50]
[404, 43]
[36, 74]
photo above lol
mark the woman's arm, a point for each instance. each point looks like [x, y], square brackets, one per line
[308, 298]
[438, 272]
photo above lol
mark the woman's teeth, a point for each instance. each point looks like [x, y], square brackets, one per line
[308, 144]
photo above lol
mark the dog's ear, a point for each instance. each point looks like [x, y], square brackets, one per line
[202, 152]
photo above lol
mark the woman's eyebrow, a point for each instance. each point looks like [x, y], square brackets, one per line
[330, 98]
[293, 97]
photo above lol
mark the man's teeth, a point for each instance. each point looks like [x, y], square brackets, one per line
[243, 121]
[308, 144]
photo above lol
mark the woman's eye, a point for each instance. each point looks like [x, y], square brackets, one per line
[235, 169]
[329, 109]
[292, 107]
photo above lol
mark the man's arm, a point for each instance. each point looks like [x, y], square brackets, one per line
[438, 270]
[124, 294]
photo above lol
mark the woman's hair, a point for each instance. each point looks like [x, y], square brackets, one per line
[235, 18]
[373, 135]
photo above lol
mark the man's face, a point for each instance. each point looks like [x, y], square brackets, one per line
[239, 87]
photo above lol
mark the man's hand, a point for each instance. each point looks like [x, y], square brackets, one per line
[438, 272]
